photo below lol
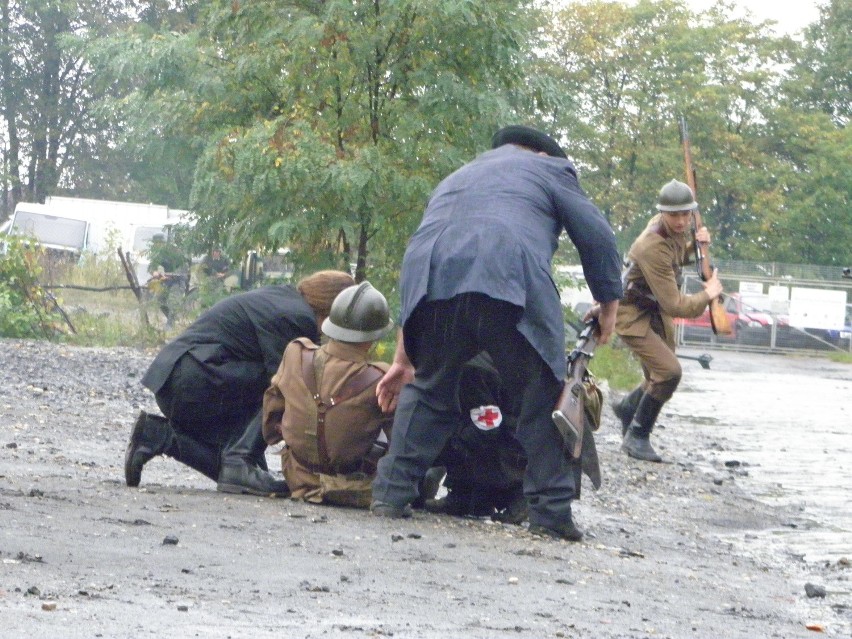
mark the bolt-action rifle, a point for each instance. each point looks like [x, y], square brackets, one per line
[718, 318]
[569, 414]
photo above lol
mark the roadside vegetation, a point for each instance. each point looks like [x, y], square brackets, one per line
[96, 308]
[842, 358]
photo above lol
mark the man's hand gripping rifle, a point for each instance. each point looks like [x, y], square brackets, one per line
[718, 317]
[569, 415]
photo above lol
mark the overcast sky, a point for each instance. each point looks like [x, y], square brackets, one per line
[791, 16]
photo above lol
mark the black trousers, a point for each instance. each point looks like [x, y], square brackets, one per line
[440, 337]
[210, 417]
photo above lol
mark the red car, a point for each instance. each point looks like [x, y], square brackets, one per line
[746, 322]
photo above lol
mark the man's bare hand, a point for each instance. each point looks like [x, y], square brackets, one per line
[713, 287]
[399, 374]
[605, 314]
[702, 235]
[390, 386]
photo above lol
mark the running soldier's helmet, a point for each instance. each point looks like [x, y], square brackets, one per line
[358, 314]
[676, 196]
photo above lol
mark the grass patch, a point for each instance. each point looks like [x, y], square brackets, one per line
[111, 315]
[617, 365]
[840, 358]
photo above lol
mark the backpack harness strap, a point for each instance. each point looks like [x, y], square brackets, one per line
[354, 386]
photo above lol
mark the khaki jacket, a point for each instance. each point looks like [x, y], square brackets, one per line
[656, 258]
[290, 413]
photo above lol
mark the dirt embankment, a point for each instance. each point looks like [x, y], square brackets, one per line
[81, 555]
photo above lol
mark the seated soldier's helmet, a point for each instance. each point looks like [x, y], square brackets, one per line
[358, 314]
[676, 196]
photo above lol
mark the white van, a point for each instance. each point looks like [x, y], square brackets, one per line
[77, 225]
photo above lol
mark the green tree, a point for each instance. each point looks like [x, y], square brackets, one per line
[631, 71]
[48, 128]
[824, 69]
[323, 125]
[810, 219]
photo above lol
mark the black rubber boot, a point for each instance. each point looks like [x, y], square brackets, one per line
[512, 507]
[429, 486]
[626, 408]
[637, 441]
[197, 455]
[151, 436]
[244, 469]
[567, 531]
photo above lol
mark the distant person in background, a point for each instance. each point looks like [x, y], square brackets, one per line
[216, 265]
[209, 383]
[169, 268]
[652, 298]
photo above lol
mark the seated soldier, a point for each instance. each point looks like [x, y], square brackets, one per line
[322, 403]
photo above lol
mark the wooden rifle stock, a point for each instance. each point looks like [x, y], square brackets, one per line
[569, 413]
[718, 317]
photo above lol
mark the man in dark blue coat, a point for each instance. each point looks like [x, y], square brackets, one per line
[209, 383]
[476, 276]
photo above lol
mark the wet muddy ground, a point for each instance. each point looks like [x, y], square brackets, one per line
[681, 549]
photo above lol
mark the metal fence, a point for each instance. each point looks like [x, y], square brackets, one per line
[776, 307]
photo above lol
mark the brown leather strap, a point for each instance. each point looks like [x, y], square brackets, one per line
[328, 469]
[358, 383]
[308, 372]
[354, 386]
[310, 377]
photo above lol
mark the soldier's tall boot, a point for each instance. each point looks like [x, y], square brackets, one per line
[244, 470]
[626, 408]
[637, 441]
[197, 455]
[151, 436]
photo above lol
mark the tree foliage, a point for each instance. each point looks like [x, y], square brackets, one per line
[49, 129]
[26, 309]
[637, 70]
[322, 126]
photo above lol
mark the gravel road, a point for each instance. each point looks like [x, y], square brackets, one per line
[82, 555]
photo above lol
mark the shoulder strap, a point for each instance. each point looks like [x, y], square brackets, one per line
[308, 371]
[358, 383]
[310, 377]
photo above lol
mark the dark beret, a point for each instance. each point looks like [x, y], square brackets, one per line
[529, 137]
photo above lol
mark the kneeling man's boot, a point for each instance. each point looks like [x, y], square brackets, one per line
[243, 478]
[626, 408]
[151, 436]
[244, 470]
[566, 530]
[637, 440]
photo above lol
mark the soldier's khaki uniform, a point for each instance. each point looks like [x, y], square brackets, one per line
[326, 463]
[652, 298]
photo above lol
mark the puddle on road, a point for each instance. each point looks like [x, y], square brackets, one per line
[789, 422]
